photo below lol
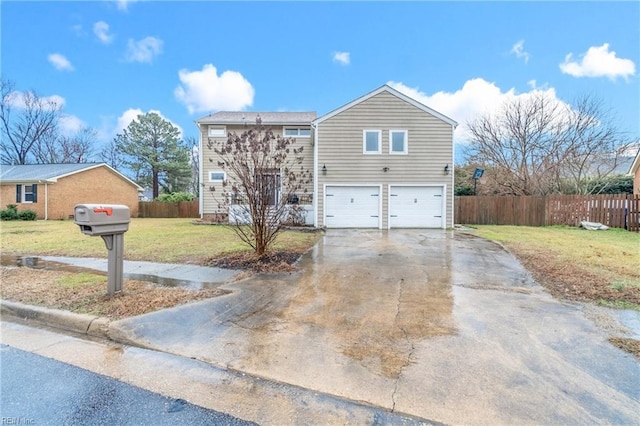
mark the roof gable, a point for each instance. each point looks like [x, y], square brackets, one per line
[394, 92]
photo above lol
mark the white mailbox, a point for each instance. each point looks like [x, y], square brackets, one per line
[102, 219]
[110, 222]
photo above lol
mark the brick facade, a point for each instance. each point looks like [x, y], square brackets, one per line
[97, 185]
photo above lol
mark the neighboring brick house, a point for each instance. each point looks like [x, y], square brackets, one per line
[381, 161]
[52, 190]
[635, 172]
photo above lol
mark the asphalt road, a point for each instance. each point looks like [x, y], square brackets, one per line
[37, 390]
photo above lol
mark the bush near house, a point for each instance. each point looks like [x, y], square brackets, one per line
[176, 197]
[12, 213]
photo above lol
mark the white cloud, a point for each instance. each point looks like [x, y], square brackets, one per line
[132, 114]
[143, 50]
[123, 5]
[205, 91]
[101, 30]
[126, 118]
[518, 50]
[599, 62]
[476, 97]
[70, 124]
[343, 58]
[16, 100]
[60, 62]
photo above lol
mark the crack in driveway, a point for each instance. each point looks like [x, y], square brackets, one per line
[408, 339]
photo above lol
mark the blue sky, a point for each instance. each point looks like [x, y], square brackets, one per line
[107, 61]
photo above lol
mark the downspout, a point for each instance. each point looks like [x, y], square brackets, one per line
[453, 177]
[315, 175]
[200, 173]
[46, 201]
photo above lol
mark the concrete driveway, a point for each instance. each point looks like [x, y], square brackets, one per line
[435, 324]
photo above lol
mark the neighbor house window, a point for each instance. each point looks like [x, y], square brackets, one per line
[371, 141]
[300, 132]
[217, 176]
[217, 132]
[398, 142]
[26, 193]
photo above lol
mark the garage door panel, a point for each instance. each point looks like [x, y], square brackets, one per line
[352, 207]
[415, 207]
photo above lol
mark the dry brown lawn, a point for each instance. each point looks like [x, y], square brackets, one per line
[86, 293]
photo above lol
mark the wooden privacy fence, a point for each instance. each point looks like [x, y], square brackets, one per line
[168, 210]
[616, 211]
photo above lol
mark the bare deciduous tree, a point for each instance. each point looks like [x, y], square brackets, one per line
[112, 156]
[538, 145]
[26, 119]
[194, 161]
[55, 148]
[265, 177]
[592, 146]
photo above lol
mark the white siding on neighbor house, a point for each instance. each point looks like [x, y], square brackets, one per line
[211, 199]
[340, 149]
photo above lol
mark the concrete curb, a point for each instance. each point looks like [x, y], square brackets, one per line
[65, 320]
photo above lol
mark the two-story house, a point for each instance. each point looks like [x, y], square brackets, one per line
[382, 161]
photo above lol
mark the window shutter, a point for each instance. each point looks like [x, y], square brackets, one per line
[18, 193]
[35, 193]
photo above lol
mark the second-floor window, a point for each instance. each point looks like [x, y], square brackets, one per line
[297, 132]
[217, 132]
[371, 141]
[398, 142]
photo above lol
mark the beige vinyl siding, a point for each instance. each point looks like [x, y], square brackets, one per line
[429, 149]
[212, 199]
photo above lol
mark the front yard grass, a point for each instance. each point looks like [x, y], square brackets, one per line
[154, 240]
[576, 264]
[602, 267]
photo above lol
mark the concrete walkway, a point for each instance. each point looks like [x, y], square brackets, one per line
[432, 324]
[171, 274]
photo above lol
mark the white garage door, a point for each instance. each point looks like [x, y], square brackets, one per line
[352, 207]
[415, 206]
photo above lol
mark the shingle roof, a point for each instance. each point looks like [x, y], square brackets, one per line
[249, 117]
[30, 172]
[48, 172]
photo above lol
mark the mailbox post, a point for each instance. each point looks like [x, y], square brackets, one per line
[109, 221]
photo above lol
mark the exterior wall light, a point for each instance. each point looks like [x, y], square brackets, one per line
[385, 169]
[324, 169]
[446, 170]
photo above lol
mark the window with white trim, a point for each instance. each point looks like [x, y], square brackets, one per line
[26, 193]
[372, 141]
[217, 132]
[217, 176]
[297, 132]
[398, 142]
